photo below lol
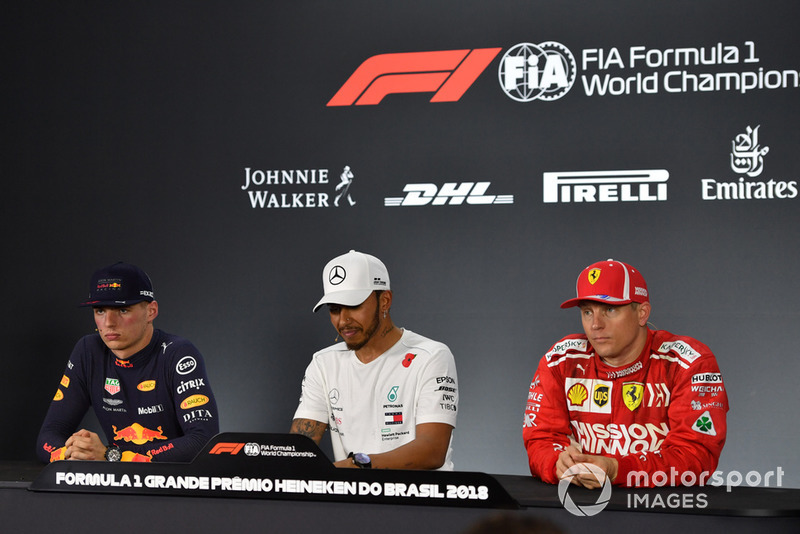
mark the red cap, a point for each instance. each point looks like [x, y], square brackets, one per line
[612, 282]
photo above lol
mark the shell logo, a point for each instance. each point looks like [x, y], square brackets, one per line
[59, 395]
[194, 400]
[577, 395]
[147, 385]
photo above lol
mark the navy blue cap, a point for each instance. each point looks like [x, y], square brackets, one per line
[120, 284]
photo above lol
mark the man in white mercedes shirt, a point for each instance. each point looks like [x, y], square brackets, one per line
[388, 395]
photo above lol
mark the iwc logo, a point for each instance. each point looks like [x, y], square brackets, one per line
[545, 71]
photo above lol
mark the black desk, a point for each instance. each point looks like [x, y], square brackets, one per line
[742, 509]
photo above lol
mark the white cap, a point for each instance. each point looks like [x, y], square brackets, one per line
[350, 278]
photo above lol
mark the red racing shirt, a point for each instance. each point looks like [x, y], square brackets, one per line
[665, 412]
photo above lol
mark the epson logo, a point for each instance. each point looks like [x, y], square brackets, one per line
[605, 186]
[451, 193]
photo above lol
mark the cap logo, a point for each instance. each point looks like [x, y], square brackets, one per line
[337, 275]
[593, 276]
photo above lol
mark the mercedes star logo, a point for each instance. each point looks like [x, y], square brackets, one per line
[334, 396]
[337, 275]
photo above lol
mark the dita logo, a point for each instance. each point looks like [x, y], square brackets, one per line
[446, 73]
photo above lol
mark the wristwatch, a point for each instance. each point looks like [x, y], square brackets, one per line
[113, 454]
[361, 460]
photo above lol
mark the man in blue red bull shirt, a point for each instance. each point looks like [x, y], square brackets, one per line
[149, 389]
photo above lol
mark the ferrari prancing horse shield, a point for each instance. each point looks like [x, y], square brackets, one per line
[632, 394]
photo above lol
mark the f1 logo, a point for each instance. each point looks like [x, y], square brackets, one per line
[448, 73]
[226, 448]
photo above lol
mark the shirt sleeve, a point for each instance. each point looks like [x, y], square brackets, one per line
[313, 403]
[196, 409]
[698, 427]
[545, 430]
[438, 390]
[69, 405]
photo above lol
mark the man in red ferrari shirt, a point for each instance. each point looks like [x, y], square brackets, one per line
[645, 406]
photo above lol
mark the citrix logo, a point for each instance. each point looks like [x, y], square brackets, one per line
[446, 73]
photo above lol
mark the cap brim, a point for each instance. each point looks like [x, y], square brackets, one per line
[571, 303]
[351, 297]
[114, 303]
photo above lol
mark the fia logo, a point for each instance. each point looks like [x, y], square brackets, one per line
[545, 71]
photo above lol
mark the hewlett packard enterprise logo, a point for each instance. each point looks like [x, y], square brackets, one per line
[605, 186]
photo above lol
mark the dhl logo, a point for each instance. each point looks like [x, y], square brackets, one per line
[137, 434]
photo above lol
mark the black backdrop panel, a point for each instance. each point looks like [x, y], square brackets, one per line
[133, 131]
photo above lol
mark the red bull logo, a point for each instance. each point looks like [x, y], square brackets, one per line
[58, 454]
[137, 434]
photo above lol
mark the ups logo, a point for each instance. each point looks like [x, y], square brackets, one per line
[600, 396]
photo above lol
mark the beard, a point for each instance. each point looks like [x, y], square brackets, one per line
[368, 333]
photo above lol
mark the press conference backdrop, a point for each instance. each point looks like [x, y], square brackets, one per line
[485, 151]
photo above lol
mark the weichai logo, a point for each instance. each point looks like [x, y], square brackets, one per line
[446, 73]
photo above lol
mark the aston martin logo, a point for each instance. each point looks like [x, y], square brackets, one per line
[337, 275]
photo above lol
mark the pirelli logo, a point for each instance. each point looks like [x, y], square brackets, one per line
[605, 186]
